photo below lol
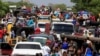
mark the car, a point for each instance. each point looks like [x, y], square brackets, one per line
[27, 49]
[41, 40]
[50, 37]
[5, 49]
[62, 27]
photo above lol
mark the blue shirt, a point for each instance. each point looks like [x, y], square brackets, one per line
[30, 23]
[64, 45]
[89, 52]
[74, 22]
[67, 16]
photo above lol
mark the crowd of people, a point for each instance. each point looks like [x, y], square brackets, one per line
[65, 47]
[69, 47]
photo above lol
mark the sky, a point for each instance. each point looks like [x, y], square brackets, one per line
[46, 2]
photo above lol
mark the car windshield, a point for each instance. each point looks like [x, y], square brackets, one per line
[5, 46]
[51, 37]
[41, 25]
[42, 41]
[63, 28]
[28, 46]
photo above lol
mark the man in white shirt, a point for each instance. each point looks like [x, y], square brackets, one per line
[46, 49]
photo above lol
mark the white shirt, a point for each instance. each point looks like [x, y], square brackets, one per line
[46, 50]
[86, 32]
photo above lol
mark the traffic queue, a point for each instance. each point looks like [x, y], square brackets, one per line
[49, 34]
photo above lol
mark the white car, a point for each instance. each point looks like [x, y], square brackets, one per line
[27, 49]
[62, 27]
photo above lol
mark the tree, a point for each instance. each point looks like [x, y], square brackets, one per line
[21, 3]
[89, 5]
[4, 8]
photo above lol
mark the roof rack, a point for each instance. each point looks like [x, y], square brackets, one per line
[69, 20]
[56, 20]
[44, 16]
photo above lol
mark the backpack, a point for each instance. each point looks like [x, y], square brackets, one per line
[64, 45]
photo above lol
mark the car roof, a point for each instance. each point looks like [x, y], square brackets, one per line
[43, 15]
[42, 22]
[42, 35]
[39, 38]
[61, 23]
[28, 43]
[56, 20]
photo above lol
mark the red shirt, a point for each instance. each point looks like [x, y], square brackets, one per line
[93, 18]
[1, 34]
[37, 31]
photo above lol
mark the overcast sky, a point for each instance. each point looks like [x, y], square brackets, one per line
[46, 2]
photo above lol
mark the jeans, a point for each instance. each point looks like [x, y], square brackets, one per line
[1, 40]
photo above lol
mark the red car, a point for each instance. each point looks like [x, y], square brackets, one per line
[5, 49]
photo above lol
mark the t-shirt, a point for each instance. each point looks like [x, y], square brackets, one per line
[89, 52]
[74, 22]
[46, 50]
[64, 45]
[67, 16]
[56, 13]
[30, 23]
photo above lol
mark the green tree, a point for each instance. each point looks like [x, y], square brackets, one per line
[4, 8]
[89, 5]
[21, 3]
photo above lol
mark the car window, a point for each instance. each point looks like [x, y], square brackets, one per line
[42, 41]
[41, 25]
[28, 46]
[5, 46]
[60, 28]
